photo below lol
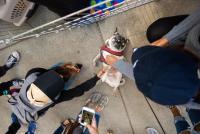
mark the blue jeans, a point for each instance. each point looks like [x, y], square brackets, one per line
[60, 129]
[78, 130]
[15, 126]
[182, 125]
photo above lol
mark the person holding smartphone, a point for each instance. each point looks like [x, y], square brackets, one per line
[88, 119]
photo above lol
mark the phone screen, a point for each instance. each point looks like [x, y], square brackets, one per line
[87, 117]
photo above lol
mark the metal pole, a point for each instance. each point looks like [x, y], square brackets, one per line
[60, 19]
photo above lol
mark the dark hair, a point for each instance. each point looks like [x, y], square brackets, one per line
[64, 72]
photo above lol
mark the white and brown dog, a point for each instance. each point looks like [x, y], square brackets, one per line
[114, 46]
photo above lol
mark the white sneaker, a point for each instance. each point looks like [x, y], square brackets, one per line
[151, 130]
[13, 59]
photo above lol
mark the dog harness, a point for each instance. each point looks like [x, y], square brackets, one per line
[105, 48]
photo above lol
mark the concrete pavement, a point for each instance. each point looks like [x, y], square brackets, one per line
[127, 113]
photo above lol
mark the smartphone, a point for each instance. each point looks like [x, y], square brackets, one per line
[87, 116]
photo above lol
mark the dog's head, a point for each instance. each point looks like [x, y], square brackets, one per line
[117, 42]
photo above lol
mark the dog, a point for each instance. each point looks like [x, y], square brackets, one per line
[114, 46]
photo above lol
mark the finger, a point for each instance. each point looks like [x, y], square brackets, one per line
[94, 123]
[79, 117]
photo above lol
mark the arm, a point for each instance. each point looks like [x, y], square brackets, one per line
[179, 31]
[125, 68]
[79, 90]
[163, 42]
[121, 65]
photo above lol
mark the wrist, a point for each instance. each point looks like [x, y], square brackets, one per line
[161, 42]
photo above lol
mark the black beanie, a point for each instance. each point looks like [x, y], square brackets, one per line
[50, 83]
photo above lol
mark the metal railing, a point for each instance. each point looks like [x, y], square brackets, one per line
[70, 21]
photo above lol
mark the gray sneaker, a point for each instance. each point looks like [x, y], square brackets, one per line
[13, 59]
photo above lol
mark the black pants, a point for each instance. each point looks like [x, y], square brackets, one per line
[13, 128]
[3, 70]
[5, 86]
[162, 26]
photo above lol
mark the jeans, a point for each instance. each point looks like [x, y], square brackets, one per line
[182, 125]
[15, 126]
[162, 26]
[60, 129]
[79, 129]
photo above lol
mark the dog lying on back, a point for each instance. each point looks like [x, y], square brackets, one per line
[114, 46]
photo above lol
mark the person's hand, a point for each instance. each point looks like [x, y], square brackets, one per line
[93, 127]
[101, 72]
[110, 59]
[161, 42]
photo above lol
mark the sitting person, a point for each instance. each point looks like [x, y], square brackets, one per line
[166, 75]
[97, 101]
[41, 90]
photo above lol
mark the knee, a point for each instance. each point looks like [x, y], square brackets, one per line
[156, 30]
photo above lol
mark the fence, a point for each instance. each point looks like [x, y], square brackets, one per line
[71, 21]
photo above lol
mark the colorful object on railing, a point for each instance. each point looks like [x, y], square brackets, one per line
[109, 6]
